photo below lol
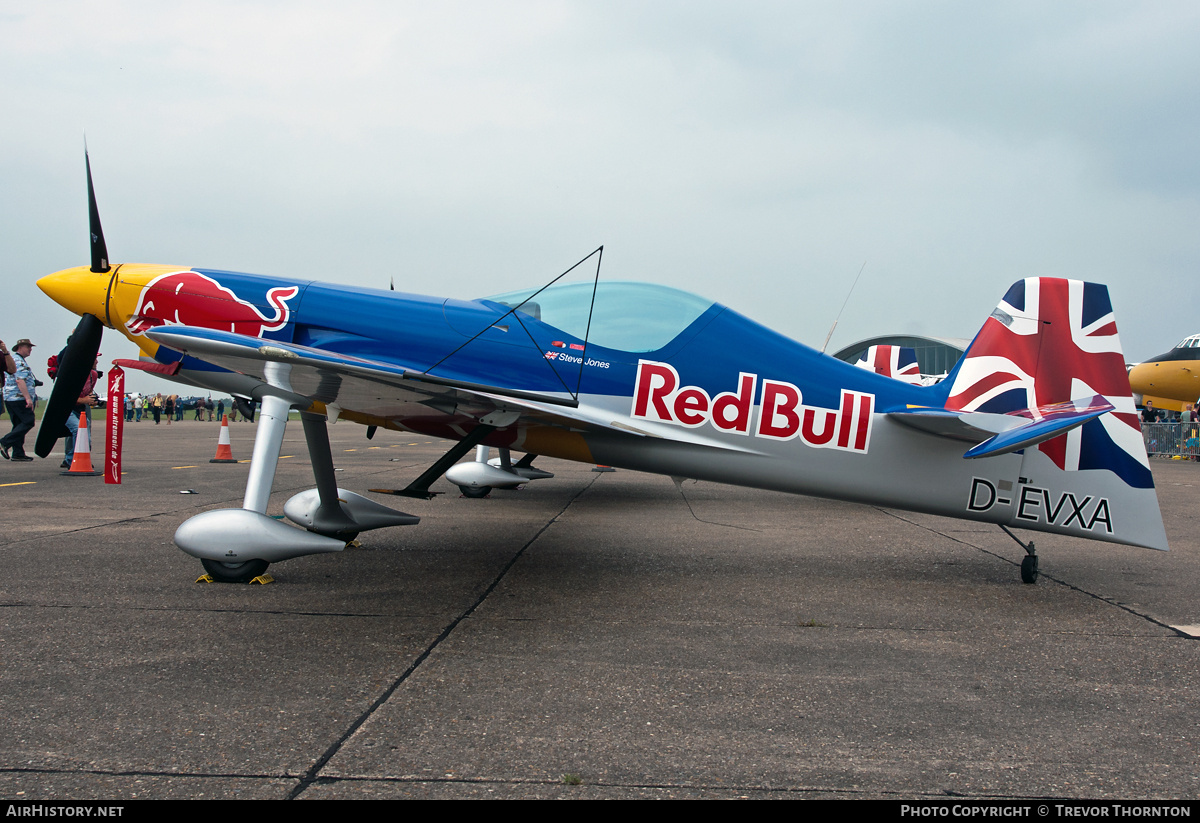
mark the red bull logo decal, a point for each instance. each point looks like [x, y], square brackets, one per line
[782, 415]
[188, 298]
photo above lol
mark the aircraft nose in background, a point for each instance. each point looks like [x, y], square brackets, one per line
[80, 290]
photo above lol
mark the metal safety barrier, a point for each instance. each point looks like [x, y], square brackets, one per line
[1171, 439]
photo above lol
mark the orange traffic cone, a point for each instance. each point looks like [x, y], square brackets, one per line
[81, 464]
[224, 452]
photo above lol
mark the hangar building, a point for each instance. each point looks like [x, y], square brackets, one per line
[935, 355]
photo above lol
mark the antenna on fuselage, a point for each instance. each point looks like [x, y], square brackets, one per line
[842, 309]
[534, 311]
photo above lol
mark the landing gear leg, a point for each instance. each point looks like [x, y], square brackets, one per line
[236, 545]
[328, 519]
[328, 510]
[419, 488]
[267, 442]
[265, 458]
[1029, 565]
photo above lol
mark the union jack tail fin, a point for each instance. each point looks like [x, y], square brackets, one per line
[1049, 342]
[897, 362]
[1047, 375]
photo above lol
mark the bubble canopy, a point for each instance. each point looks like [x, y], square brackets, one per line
[633, 317]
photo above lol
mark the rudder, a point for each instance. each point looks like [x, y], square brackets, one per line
[1050, 341]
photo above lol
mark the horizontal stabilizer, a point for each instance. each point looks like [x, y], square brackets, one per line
[971, 427]
[996, 434]
[1054, 420]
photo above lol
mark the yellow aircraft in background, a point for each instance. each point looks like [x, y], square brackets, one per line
[1171, 380]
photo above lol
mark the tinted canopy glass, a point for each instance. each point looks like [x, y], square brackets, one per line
[634, 317]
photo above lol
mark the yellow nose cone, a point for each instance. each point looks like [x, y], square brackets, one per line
[1143, 376]
[80, 290]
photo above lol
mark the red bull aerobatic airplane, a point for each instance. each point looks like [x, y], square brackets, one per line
[1034, 428]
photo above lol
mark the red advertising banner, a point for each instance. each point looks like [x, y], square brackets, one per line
[116, 425]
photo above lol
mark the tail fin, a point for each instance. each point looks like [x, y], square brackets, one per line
[1051, 341]
[897, 362]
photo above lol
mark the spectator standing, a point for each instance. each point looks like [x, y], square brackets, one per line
[20, 398]
[1187, 420]
[10, 365]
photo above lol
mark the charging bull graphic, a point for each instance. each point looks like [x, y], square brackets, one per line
[188, 298]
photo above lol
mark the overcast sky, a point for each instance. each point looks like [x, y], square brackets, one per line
[755, 153]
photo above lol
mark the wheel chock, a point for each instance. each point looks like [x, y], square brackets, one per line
[262, 579]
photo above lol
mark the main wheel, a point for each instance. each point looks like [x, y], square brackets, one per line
[242, 572]
[1029, 569]
[475, 492]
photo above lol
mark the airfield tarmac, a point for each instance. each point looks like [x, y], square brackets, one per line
[595, 635]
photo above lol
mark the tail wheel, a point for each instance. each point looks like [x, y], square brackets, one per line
[242, 572]
[1029, 569]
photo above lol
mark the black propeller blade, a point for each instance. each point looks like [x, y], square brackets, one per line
[78, 359]
[83, 346]
[99, 250]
